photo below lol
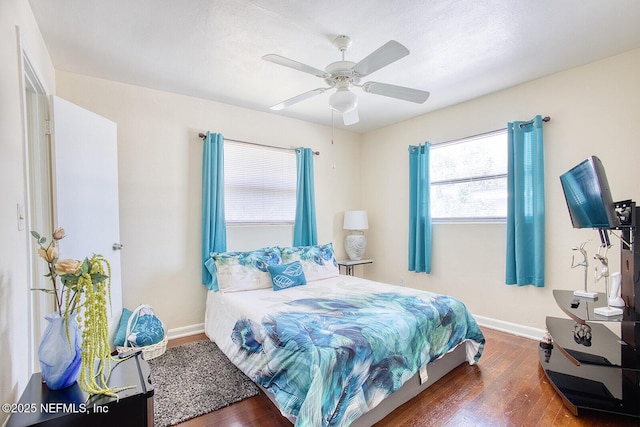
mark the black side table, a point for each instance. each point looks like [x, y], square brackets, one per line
[70, 407]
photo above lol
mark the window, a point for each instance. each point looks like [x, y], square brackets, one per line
[469, 178]
[259, 184]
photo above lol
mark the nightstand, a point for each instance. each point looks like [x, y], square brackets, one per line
[349, 264]
[69, 407]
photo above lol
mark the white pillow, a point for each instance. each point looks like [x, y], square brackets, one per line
[245, 271]
[318, 262]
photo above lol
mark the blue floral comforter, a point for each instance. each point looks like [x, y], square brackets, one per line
[330, 356]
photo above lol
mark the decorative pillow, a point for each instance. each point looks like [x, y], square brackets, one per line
[285, 276]
[245, 271]
[118, 339]
[318, 262]
[146, 327]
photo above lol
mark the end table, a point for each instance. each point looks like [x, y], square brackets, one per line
[70, 407]
[349, 264]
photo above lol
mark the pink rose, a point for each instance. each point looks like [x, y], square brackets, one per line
[58, 233]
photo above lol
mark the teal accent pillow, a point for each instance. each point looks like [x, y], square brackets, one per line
[118, 339]
[146, 327]
[285, 276]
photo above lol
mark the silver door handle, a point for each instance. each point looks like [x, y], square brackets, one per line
[117, 246]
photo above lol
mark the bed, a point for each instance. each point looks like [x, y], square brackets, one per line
[330, 349]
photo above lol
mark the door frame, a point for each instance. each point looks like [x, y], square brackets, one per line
[34, 97]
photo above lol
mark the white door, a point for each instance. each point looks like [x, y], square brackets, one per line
[85, 190]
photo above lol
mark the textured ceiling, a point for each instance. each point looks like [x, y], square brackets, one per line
[212, 49]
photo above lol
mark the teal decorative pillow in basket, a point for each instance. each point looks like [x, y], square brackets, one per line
[121, 332]
[144, 330]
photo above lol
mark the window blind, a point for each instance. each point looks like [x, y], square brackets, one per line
[260, 184]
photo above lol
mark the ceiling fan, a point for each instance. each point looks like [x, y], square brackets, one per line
[342, 75]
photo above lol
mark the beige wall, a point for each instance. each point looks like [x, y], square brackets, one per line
[160, 164]
[594, 110]
[14, 286]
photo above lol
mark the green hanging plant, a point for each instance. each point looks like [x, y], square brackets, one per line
[85, 291]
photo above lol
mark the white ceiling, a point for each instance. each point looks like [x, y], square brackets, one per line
[212, 49]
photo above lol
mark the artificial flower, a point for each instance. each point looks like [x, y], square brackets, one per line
[70, 272]
[85, 291]
[49, 254]
[68, 266]
[58, 233]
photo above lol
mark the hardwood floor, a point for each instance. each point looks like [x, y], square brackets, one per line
[507, 388]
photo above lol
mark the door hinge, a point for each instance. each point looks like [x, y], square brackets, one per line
[47, 127]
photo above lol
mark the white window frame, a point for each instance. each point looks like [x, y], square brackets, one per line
[469, 178]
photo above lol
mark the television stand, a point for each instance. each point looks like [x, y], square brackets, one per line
[590, 366]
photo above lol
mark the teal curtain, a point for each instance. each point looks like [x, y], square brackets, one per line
[304, 228]
[419, 209]
[525, 206]
[214, 230]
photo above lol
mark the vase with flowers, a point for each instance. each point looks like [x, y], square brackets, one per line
[78, 333]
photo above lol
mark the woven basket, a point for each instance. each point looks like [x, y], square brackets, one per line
[148, 351]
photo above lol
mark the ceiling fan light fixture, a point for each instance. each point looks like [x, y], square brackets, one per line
[343, 100]
[343, 75]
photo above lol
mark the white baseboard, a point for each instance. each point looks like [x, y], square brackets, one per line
[185, 331]
[510, 328]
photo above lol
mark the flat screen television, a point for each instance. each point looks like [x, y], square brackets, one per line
[588, 196]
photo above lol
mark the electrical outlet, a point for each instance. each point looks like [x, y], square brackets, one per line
[401, 280]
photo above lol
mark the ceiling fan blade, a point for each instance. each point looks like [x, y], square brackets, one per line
[291, 101]
[281, 60]
[389, 52]
[399, 92]
[351, 117]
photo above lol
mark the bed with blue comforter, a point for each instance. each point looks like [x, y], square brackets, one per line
[332, 350]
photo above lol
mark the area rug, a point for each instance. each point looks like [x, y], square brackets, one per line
[194, 379]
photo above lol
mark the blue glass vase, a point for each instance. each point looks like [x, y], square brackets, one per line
[59, 353]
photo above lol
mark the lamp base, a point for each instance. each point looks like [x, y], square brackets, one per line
[354, 245]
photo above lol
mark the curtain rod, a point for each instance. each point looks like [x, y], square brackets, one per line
[203, 136]
[523, 124]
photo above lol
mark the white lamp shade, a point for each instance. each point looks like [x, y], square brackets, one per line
[343, 100]
[356, 220]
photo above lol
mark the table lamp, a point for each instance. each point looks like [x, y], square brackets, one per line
[355, 243]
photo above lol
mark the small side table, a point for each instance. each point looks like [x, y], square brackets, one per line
[68, 407]
[348, 264]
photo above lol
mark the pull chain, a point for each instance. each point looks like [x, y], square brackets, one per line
[332, 126]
